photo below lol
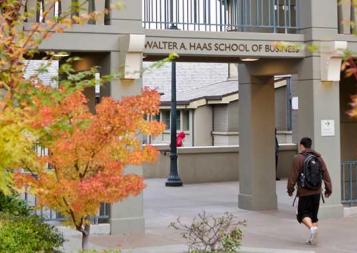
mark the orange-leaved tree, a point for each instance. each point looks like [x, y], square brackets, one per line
[350, 67]
[20, 41]
[88, 153]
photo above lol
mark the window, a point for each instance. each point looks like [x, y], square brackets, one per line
[165, 118]
[156, 117]
[182, 119]
[97, 87]
[185, 120]
[289, 117]
[56, 9]
[178, 120]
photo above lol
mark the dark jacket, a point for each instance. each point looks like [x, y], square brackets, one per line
[298, 165]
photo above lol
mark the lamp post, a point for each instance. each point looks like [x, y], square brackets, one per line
[173, 179]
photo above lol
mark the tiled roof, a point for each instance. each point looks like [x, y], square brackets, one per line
[210, 91]
[46, 77]
[194, 81]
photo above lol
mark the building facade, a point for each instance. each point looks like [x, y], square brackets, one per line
[208, 103]
[266, 39]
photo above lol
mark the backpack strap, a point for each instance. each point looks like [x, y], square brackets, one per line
[308, 157]
[294, 199]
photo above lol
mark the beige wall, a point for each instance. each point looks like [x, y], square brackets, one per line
[348, 125]
[281, 101]
[165, 138]
[220, 118]
[225, 138]
[233, 116]
[211, 164]
[202, 129]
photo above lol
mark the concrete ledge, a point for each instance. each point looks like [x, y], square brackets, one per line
[258, 202]
[327, 211]
[199, 149]
[350, 211]
[180, 248]
[265, 250]
[127, 225]
[211, 163]
[95, 229]
[208, 149]
[100, 229]
[288, 146]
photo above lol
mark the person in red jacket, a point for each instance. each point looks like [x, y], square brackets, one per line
[179, 140]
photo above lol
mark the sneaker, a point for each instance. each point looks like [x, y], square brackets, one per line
[313, 235]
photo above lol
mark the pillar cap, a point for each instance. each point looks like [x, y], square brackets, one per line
[331, 60]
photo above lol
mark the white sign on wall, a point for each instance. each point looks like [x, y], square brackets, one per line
[327, 128]
[295, 103]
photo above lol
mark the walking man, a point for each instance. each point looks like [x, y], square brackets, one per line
[308, 172]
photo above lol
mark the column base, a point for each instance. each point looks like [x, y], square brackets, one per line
[257, 202]
[127, 225]
[327, 211]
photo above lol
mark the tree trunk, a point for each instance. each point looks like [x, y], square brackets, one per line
[85, 236]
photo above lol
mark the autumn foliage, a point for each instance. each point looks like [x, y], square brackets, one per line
[349, 66]
[87, 158]
[88, 154]
[17, 94]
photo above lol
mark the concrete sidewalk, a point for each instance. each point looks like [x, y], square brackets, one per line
[266, 231]
[181, 248]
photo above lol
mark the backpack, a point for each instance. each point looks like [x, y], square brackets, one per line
[311, 174]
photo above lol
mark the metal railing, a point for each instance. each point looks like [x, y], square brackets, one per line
[349, 182]
[41, 10]
[50, 215]
[277, 16]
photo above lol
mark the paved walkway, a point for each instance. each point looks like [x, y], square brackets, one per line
[265, 231]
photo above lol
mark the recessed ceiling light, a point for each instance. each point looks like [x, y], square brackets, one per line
[249, 59]
[61, 54]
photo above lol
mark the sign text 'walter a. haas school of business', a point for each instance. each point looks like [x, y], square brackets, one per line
[228, 48]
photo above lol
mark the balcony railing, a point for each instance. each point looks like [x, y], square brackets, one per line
[349, 182]
[279, 16]
[52, 216]
[66, 8]
[48, 214]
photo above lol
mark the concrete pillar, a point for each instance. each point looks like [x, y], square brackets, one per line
[344, 16]
[128, 215]
[257, 158]
[232, 71]
[320, 101]
[49, 8]
[32, 10]
[85, 9]
[354, 18]
[130, 17]
[203, 121]
[318, 27]
[122, 88]
[99, 6]
[66, 7]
